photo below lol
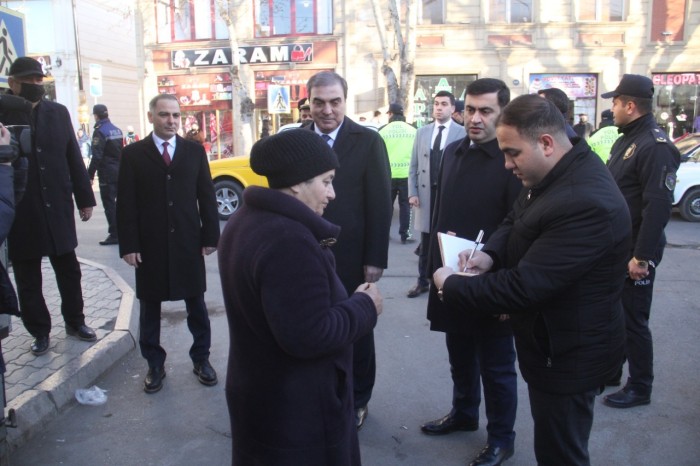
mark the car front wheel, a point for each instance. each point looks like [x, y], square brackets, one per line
[689, 206]
[229, 197]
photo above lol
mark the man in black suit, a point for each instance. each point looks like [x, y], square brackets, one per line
[362, 208]
[167, 222]
[475, 192]
[45, 220]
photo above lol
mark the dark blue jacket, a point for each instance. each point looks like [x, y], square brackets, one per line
[107, 143]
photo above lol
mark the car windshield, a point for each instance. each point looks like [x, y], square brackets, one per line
[689, 147]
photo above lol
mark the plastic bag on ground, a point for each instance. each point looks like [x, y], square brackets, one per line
[93, 396]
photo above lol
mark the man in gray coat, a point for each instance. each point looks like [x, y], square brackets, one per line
[430, 142]
[167, 222]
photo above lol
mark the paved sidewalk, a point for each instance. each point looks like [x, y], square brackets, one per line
[39, 387]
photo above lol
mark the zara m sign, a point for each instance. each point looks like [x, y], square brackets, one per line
[286, 53]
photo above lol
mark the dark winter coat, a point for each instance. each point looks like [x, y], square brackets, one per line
[475, 192]
[168, 214]
[643, 162]
[291, 326]
[8, 297]
[107, 143]
[45, 217]
[362, 207]
[560, 259]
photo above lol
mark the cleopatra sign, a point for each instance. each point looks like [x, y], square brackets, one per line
[284, 53]
[676, 79]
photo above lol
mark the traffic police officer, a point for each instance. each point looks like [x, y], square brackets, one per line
[107, 143]
[643, 162]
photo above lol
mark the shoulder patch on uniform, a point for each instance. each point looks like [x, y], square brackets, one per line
[630, 151]
[670, 181]
[659, 135]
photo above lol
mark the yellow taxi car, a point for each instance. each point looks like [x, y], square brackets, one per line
[231, 176]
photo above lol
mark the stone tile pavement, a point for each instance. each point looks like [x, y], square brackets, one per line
[38, 387]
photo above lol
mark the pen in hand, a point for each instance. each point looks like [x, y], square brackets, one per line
[477, 242]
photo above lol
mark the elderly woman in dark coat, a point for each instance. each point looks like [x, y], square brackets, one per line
[291, 322]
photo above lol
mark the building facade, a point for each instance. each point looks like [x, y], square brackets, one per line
[90, 55]
[581, 46]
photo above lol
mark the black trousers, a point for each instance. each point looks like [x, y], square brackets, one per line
[562, 427]
[636, 300]
[149, 332]
[423, 279]
[477, 359]
[399, 187]
[108, 193]
[35, 313]
[364, 369]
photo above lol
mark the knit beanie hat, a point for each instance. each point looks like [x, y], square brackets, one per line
[292, 156]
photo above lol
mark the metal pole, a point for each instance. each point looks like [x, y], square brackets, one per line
[77, 53]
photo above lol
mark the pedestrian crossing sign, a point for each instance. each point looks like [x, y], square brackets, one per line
[278, 99]
[12, 40]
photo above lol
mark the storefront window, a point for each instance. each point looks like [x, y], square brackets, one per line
[428, 86]
[294, 82]
[293, 17]
[582, 90]
[676, 102]
[205, 104]
[185, 20]
[599, 10]
[510, 11]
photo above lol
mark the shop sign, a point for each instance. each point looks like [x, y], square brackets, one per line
[574, 85]
[285, 53]
[676, 79]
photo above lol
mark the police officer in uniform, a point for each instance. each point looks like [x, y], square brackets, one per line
[643, 162]
[107, 143]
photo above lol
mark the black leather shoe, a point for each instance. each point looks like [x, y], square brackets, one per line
[492, 456]
[360, 416]
[627, 398]
[448, 424]
[109, 240]
[417, 290]
[83, 332]
[154, 379]
[205, 373]
[40, 345]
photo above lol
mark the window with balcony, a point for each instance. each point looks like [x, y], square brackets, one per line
[510, 11]
[293, 17]
[187, 20]
[599, 10]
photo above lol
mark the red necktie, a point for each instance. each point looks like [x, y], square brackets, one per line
[166, 155]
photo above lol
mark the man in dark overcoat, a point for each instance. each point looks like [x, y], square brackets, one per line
[362, 208]
[45, 219]
[167, 222]
[476, 192]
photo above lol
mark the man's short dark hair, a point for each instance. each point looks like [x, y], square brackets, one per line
[489, 85]
[327, 78]
[446, 94]
[643, 105]
[154, 101]
[533, 116]
[557, 97]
